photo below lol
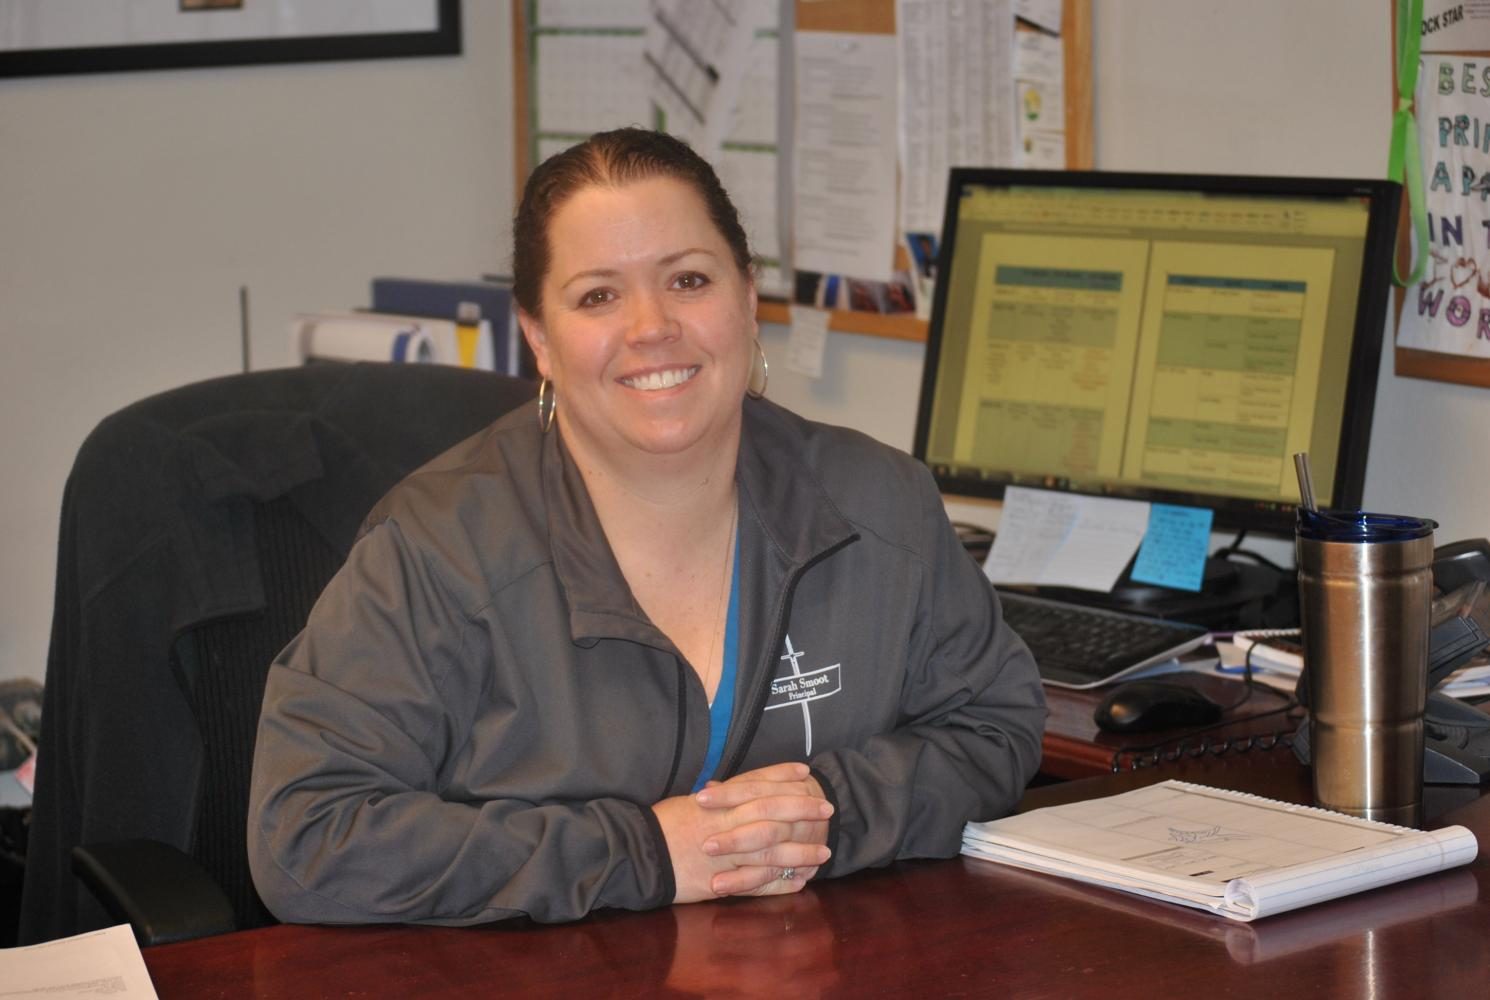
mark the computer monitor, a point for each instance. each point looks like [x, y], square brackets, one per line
[1172, 338]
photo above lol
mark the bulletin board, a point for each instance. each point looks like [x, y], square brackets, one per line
[1443, 313]
[537, 61]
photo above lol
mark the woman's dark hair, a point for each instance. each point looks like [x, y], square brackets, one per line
[611, 158]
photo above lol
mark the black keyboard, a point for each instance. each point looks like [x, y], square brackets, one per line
[1079, 647]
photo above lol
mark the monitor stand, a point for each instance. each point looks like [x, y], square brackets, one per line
[1233, 595]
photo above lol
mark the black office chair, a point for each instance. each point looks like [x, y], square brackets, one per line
[198, 528]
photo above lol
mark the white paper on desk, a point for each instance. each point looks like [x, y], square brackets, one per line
[1472, 681]
[98, 963]
[844, 148]
[956, 95]
[1064, 539]
[1235, 854]
[1191, 664]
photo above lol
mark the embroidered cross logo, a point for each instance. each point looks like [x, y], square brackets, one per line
[794, 656]
[801, 687]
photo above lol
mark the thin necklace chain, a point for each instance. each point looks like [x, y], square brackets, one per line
[724, 589]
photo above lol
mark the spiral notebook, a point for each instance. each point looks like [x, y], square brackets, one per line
[1237, 855]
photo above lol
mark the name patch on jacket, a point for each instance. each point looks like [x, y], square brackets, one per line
[807, 686]
[797, 685]
[800, 687]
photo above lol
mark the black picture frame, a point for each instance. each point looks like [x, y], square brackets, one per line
[445, 39]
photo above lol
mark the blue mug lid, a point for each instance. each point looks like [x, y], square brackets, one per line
[1361, 526]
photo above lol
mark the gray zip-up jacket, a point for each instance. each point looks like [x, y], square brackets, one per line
[478, 716]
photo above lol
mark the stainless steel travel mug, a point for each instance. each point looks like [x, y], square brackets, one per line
[1365, 589]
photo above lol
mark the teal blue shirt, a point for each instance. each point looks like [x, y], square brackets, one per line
[724, 697]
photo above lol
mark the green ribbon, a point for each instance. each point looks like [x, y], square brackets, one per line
[1405, 165]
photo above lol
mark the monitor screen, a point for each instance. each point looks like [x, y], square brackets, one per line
[1161, 337]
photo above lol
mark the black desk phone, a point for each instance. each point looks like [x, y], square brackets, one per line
[1456, 736]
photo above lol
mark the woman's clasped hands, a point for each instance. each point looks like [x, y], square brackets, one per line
[760, 833]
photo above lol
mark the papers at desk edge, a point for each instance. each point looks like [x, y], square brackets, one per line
[94, 963]
[1280, 670]
[1410, 854]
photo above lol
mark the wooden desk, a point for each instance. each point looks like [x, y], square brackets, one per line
[960, 927]
[1075, 748]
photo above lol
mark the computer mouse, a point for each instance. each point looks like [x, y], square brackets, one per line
[1149, 706]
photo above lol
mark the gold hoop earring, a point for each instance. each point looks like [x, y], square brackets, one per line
[547, 407]
[751, 390]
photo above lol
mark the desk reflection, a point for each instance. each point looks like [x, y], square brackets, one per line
[754, 948]
[1428, 920]
[733, 948]
[932, 928]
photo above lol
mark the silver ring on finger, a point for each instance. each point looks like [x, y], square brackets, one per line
[787, 874]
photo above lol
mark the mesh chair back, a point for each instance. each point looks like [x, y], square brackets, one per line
[223, 666]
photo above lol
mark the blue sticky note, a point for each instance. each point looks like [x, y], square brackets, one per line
[1174, 547]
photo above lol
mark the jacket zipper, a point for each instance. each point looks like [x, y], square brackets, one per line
[763, 683]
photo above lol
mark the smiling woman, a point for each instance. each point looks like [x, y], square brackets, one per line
[647, 330]
[664, 643]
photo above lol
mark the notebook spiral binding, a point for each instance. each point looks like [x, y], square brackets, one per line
[1139, 758]
[1183, 748]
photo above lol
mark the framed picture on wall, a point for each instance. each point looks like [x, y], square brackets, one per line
[47, 37]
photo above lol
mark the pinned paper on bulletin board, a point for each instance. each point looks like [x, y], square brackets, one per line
[952, 92]
[709, 72]
[581, 66]
[843, 198]
[808, 341]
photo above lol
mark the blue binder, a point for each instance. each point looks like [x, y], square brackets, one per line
[443, 300]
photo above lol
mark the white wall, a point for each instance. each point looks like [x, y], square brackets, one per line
[134, 205]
